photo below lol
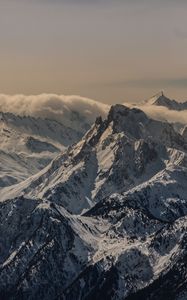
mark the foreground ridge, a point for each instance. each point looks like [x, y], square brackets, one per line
[106, 219]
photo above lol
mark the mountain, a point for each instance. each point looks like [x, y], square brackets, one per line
[124, 150]
[161, 100]
[184, 133]
[28, 144]
[106, 219]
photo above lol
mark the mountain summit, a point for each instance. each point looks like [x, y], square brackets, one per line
[106, 219]
[161, 100]
[116, 154]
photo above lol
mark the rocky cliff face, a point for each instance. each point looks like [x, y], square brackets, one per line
[184, 133]
[105, 220]
[161, 100]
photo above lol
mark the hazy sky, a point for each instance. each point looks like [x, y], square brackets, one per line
[110, 50]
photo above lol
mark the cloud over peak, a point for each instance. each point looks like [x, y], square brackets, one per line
[162, 113]
[63, 108]
[52, 106]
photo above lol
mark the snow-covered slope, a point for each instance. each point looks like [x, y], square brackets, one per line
[116, 154]
[28, 144]
[161, 100]
[106, 219]
[47, 253]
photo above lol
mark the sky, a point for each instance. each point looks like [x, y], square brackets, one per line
[109, 50]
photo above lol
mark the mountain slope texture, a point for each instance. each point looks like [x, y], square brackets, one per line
[161, 100]
[28, 144]
[106, 219]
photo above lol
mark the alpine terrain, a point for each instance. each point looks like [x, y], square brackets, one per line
[105, 219]
[28, 144]
[161, 100]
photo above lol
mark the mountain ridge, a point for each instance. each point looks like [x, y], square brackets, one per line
[161, 100]
[125, 130]
[28, 144]
[106, 219]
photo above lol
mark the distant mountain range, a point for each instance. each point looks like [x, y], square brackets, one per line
[161, 100]
[28, 144]
[106, 219]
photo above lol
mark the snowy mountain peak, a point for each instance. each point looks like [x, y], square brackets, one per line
[114, 155]
[135, 124]
[161, 100]
[117, 109]
[106, 219]
[125, 119]
[120, 111]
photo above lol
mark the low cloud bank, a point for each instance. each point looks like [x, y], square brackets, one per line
[56, 107]
[162, 113]
[68, 109]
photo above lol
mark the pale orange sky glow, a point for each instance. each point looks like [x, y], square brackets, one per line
[107, 50]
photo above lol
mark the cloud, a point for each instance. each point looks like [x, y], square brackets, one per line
[55, 107]
[162, 113]
[64, 109]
